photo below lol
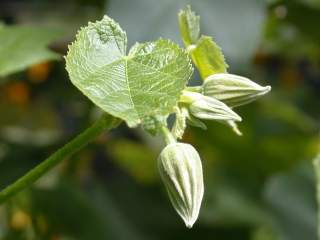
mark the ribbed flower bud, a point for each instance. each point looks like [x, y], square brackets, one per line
[181, 172]
[232, 89]
[209, 108]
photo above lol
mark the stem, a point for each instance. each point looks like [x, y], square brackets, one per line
[167, 135]
[316, 164]
[106, 122]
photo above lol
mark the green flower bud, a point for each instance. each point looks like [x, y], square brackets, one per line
[233, 90]
[181, 172]
[209, 108]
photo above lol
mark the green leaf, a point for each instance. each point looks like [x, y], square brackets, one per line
[208, 57]
[147, 82]
[189, 26]
[205, 53]
[23, 46]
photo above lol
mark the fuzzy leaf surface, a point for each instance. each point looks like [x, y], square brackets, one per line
[146, 82]
[208, 57]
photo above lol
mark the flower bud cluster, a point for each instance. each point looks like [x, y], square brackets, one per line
[179, 163]
[217, 96]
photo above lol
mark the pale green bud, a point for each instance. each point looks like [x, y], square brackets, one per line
[181, 172]
[209, 108]
[232, 89]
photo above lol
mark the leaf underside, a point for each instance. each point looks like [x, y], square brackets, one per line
[146, 82]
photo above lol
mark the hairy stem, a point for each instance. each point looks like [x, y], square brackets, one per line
[106, 122]
[316, 164]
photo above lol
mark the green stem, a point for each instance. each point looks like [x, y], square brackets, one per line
[106, 122]
[167, 135]
[316, 164]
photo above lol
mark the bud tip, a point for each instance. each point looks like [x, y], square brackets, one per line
[266, 89]
[189, 222]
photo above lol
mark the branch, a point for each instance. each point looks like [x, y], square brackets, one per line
[106, 122]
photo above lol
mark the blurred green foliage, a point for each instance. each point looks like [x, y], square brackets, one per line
[258, 187]
[23, 46]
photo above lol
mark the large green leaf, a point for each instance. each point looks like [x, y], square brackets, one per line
[146, 82]
[22, 46]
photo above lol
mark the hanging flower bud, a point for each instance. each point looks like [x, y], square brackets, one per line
[209, 108]
[233, 90]
[181, 171]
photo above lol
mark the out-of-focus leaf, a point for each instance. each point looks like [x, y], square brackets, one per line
[23, 46]
[291, 26]
[302, 17]
[138, 160]
[288, 113]
[93, 215]
[291, 198]
[265, 232]
[35, 125]
[147, 82]
[268, 145]
[224, 204]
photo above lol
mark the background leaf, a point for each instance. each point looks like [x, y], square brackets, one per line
[23, 46]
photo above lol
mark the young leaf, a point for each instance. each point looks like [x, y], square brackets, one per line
[23, 46]
[205, 53]
[189, 26]
[147, 82]
[208, 57]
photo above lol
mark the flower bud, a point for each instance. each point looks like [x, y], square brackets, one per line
[181, 172]
[233, 90]
[209, 108]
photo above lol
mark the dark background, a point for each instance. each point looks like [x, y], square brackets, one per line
[259, 186]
